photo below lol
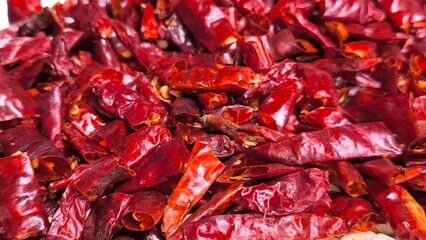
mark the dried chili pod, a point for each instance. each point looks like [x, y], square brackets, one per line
[68, 220]
[163, 163]
[27, 72]
[17, 102]
[405, 215]
[385, 109]
[106, 54]
[220, 144]
[202, 170]
[346, 176]
[256, 52]
[228, 78]
[174, 31]
[387, 172]
[358, 213]
[295, 192]
[185, 110]
[139, 144]
[21, 48]
[350, 11]
[23, 212]
[144, 210]
[212, 100]
[149, 25]
[52, 107]
[102, 174]
[111, 134]
[48, 162]
[94, 21]
[275, 110]
[325, 117]
[339, 143]
[405, 14]
[296, 226]
[104, 219]
[284, 44]
[89, 149]
[198, 18]
[118, 99]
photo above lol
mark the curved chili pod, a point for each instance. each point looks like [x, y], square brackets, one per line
[358, 213]
[202, 170]
[48, 162]
[238, 226]
[23, 213]
[228, 78]
[292, 193]
[139, 144]
[218, 203]
[144, 210]
[406, 216]
[339, 143]
[163, 163]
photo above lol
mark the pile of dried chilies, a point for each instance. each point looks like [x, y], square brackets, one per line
[212, 119]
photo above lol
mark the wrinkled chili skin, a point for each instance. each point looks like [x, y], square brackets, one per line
[406, 216]
[192, 186]
[23, 212]
[249, 225]
[371, 139]
[211, 119]
[48, 161]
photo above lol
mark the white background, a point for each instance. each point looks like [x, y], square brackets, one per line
[3, 11]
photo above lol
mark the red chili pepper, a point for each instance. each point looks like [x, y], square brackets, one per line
[48, 162]
[230, 78]
[276, 108]
[347, 177]
[23, 211]
[405, 215]
[149, 25]
[340, 143]
[201, 171]
[249, 225]
[276, 198]
[358, 213]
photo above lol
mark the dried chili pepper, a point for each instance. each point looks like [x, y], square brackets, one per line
[23, 212]
[202, 169]
[344, 142]
[406, 216]
[249, 225]
[278, 197]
